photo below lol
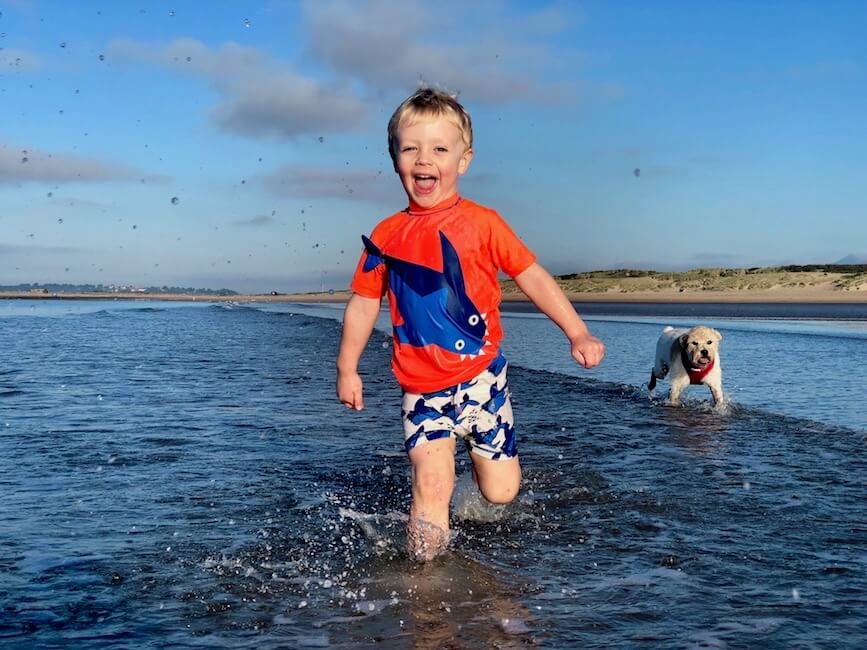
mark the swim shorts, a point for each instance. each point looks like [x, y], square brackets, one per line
[478, 411]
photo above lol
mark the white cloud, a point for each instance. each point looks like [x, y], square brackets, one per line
[21, 165]
[309, 182]
[260, 97]
[13, 61]
[258, 220]
[393, 45]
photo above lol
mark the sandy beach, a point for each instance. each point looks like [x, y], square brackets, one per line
[774, 295]
[828, 284]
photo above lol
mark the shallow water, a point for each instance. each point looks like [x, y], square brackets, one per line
[182, 475]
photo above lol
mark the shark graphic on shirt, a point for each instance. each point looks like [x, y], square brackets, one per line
[433, 304]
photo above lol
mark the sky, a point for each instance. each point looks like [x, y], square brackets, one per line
[243, 145]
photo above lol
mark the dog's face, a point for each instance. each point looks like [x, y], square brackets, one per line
[701, 345]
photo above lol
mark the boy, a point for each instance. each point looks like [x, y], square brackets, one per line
[438, 261]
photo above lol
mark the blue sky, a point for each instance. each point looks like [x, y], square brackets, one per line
[265, 121]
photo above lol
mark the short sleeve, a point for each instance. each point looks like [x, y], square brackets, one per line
[371, 283]
[508, 252]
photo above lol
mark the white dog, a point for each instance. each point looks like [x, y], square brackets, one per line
[692, 357]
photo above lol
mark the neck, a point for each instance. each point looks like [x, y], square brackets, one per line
[695, 374]
[416, 209]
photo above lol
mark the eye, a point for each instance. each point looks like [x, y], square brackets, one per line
[440, 149]
[407, 149]
[459, 345]
[473, 319]
[710, 342]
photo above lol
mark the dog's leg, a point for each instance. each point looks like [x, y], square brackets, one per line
[717, 393]
[678, 384]
[652, 383]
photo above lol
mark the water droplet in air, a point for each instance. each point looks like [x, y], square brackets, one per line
[171, 13]
[50, 194]
[63, 45]
[636, 172]
[24, 159]
[246, 22]
[175, 200]
[60, 220]
[102, 57]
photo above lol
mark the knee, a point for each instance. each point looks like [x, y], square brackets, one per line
[501, 493]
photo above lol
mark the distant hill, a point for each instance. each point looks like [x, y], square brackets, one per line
[113, 288]
[829, 277]
[852, 259]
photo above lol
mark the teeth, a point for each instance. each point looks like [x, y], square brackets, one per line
[484, 315]
[463, 357]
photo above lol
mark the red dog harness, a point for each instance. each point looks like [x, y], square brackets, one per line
[695, 374]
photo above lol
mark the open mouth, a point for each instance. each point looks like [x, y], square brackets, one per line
[424, 183]
[702, 361]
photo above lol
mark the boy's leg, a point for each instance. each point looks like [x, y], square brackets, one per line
[433, 480]
[498, 480]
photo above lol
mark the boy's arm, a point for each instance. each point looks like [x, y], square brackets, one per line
[359, 318]
[547, 295]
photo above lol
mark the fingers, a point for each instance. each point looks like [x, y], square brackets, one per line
[590, 355]
[354, 401]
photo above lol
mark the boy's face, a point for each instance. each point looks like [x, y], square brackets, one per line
[431, 155]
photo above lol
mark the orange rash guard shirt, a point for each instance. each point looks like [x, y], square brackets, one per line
[439, 268]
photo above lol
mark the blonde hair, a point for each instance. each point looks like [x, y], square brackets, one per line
[431, 102]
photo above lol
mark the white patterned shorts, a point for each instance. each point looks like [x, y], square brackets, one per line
[478, 411]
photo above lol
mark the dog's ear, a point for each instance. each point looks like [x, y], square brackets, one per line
[717, 335]
[683, 339]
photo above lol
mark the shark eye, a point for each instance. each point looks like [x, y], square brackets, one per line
[459, 345]
[473, 319]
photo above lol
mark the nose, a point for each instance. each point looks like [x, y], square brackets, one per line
[422, 157]
[704, 352]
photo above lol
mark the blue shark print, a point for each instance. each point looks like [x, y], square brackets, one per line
[434, 305]
[421, 412]
[498, 398]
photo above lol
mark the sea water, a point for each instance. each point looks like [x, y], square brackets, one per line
[181, 475]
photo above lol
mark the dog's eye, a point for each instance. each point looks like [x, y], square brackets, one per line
[710, 342]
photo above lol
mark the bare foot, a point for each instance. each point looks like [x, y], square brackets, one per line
[424, 540]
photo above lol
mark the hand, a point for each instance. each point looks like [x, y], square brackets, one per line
[588, 350]
[349, 390]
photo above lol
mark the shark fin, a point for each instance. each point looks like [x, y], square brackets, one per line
[374, 255]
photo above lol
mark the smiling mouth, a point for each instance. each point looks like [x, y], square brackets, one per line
[424, 182]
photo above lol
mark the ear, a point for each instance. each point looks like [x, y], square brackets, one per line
[683, 339]
[464, 162]
[717, 335]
